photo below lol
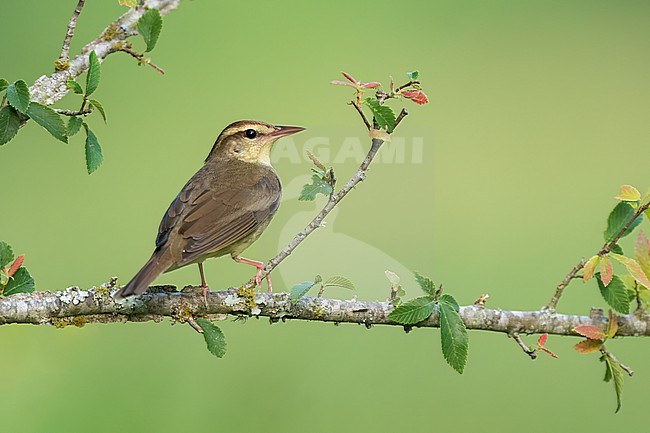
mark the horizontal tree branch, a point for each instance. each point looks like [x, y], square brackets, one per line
[73, 306]
[49, 89]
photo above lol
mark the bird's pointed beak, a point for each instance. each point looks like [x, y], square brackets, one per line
[283, 131]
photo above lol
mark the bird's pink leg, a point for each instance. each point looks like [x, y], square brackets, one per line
[258, 273]
[204, 285]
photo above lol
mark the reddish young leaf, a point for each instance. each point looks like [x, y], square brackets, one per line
[349, 77]
[541, 341]
[416, 96]
[545, 350]
[606, 271]
[589, 331]
[588, 346]
[342, 83]
[15, 265]
[354, 83]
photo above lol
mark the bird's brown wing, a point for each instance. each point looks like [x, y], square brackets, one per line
[211, 219]
[175, 211]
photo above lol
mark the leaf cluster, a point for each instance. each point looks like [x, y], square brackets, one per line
[14, 277]
[20, 108]
[323, 181]
[595, 342]
[453, 333]
[619, 290]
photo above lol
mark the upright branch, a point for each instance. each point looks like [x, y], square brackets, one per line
[62, 63]
[334, 199]
[381, 119]
[607, 247]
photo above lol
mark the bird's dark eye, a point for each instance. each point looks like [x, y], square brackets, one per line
[250, 133]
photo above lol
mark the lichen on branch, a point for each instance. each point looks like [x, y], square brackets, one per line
[48, 89]
[73, 306]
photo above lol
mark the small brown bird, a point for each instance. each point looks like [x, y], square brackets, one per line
[222, 209]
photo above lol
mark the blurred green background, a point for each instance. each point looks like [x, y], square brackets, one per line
[539, 111]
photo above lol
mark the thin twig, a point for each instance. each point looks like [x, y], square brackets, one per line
[404, 86]
[49, 89]
[625, 368]
[190, 321]
[402, 114]
[560, 287]
[73, 112]
[140, 58]
[333, 200]
[64, 59]
[363, 116]
[607, 247]
[524, 347]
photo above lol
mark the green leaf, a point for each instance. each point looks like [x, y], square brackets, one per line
[76, 87]
[614, 371]
[214, 338]
[21, 282]
[94, 74]
[413, 75]
[413, 311]
[18, 96]
[425, 284]
[615, 294]
[449, 300]
[149, 26]
[129, 3]
[94, 155]
[608, 370]
[48, 119]
[95, 103]
[616, 248]
[339, 281]
[383, 114]
[6, 254]
[74, 125]
[618, 218]
[3, 84]
[317, 186]
[455, 340]
[9, 123]
[299, 290]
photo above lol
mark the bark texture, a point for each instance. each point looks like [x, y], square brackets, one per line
[73, 306]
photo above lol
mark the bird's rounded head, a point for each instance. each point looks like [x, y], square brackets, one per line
[249, 141]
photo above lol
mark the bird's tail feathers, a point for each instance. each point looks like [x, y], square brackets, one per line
[159, 262]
